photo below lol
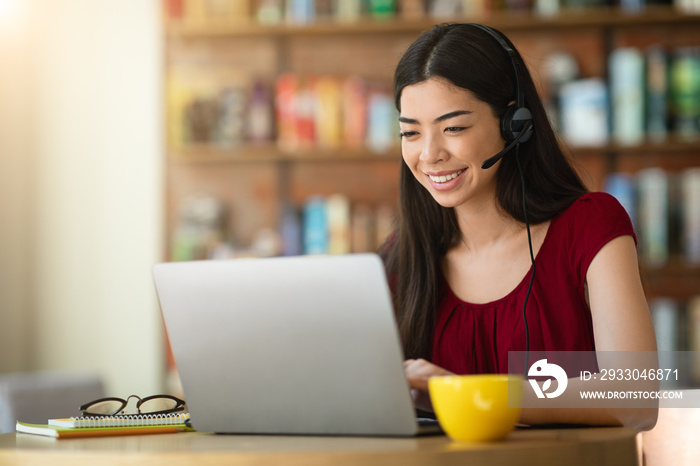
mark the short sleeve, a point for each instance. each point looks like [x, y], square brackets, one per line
[593, 220]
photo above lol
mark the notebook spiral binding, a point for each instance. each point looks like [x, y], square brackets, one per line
[123, 421]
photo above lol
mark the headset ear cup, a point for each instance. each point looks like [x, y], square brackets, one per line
[507, 124]
[512, 121]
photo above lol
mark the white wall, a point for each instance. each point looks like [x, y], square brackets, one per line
[15, 194]
[95, 192]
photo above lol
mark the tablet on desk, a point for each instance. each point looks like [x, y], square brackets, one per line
[293, 345]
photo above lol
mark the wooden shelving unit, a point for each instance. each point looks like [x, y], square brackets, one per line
[254, 179]
[603, 17]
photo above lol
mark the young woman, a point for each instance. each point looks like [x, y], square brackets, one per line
[460, 262]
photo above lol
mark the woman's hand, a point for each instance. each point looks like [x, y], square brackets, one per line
[418, 371]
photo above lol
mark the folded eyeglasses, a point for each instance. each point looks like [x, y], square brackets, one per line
[155, 404]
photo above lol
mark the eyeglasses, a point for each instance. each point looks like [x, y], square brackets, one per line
[155, 404]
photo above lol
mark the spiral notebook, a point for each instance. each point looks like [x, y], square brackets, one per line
[122, 421]
[107, 426]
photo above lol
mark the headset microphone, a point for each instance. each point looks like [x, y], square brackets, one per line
[488, 163]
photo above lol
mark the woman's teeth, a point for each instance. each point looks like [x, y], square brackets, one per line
[446, 178]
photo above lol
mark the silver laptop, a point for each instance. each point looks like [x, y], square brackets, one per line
[295, 345]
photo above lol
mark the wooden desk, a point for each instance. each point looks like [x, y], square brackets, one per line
[589, 446]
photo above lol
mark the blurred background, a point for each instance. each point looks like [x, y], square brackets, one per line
[139, 131]
[81, 190]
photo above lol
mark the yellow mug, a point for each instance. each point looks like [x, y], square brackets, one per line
[477, 408]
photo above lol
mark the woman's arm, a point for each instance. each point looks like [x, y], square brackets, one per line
[621, 322]
[621, 318]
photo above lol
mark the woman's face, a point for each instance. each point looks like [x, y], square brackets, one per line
[446, 134]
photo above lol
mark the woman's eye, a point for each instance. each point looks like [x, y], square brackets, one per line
[407, 134]
[454, 129]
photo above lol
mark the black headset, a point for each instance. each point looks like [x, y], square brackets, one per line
[516, 121]
[516, 127]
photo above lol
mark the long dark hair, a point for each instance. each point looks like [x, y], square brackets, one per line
[469, 58]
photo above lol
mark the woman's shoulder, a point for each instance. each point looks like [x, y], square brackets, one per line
[588, 224]
[595, 203]
[595, 211]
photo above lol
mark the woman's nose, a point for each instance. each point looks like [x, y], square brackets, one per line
[432, 150]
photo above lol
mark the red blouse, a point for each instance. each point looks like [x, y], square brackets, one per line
[476, 338]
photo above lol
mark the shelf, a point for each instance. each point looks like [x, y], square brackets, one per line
[507, 21]
[676, 280]
[269, 152]
[670, 146]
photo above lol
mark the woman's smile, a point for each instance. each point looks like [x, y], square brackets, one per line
[445, 180]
